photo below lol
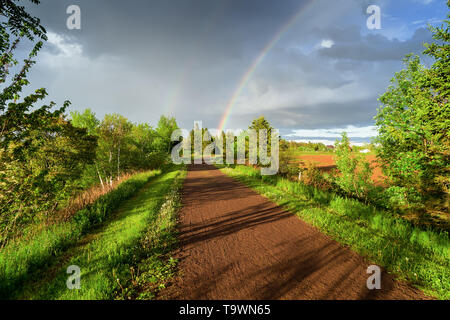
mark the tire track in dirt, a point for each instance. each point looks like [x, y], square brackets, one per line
[236, 244]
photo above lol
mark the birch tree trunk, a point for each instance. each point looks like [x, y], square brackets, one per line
[99, 175]
[118, 161]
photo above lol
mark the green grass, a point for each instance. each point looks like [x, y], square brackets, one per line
[153, 265]
[418, 256]
[106, 255]
[24, 259]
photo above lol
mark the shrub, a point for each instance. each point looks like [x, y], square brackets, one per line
[288, 165]
[312, 176]
[396, 197]
[355, 173]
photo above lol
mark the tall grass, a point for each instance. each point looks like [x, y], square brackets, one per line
[21, 258]
[106, 255]
[420, 256]
[88, 197]
[152, 264]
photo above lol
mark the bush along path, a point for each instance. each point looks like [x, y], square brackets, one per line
[26, 259]
[106, 257]
[419, 256]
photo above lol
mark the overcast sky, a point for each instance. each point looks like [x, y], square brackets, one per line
[323, 70]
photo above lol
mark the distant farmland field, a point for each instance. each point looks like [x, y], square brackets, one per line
[326, 162]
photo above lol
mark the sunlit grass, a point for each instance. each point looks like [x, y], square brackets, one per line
[23, 259]
[106, 255]
[152, 265]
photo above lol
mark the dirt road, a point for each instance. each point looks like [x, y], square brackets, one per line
[236, 244]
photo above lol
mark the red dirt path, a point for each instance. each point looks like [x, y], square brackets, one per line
[236, 244]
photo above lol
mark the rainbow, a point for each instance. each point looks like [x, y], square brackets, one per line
[247, 75]
[174, 94]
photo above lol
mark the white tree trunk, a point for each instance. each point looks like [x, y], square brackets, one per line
[99, 176]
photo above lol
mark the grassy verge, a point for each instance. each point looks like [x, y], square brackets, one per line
[106, 255]
[418, 256]
[21, 260]
[152, 265]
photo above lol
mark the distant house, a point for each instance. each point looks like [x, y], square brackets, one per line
[365, 151]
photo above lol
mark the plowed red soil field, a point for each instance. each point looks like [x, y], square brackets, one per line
[236, 244]
[326, 162]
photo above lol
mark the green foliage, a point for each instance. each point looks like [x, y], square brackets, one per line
[142, 152]
[16, 119]
[355, 173]
[289, 167]
[206, 140]
[313, 176]
[55, 158]
[399, 198]
[20, 259]
[414, 121]
[18, 23]
[166, 125]
[41, 154]
[113, 131]
[152, 264]
[261, 124]
[312, 147]
[115, 248]
[86, 120]
[439, 73]
[124, 146]
[45, 174]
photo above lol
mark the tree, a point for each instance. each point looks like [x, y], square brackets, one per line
[86, 120]
[262, 124]
[439, 118]
[44, 174]
[354, 171]
[289, 165]
[16, 119]
[89, 121]
[113, 134]
[18, 23]
[166, 125]
[414, 121]
[41, 153]
[142, 153]
[439, 73]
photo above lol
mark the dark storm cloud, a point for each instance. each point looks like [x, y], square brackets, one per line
[168, 28]
[320, 116]
[187, 58]
[375, 47]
